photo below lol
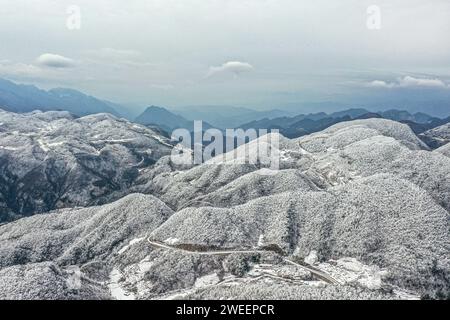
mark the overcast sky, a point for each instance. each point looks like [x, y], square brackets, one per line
[223, 52]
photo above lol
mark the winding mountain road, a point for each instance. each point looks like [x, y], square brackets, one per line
[317, 273]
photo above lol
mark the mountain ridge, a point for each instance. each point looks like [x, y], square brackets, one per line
[27, 98]
[50, 160]
[365, 191]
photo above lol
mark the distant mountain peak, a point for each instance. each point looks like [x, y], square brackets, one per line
[163, 118]
[21, 98]
[154, 108]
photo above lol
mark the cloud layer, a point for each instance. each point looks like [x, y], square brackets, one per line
[290, 51]
[9, 68]
[410, 82]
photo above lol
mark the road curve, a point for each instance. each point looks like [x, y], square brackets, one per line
[318, 273]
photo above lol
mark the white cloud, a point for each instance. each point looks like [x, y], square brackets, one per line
[417, 82]
[115, 54]
[54, 61]
[234, 67]
[379, 84]
[21, 71]
[409, 82]
[47, 66]
[127, 57]
[8, 68]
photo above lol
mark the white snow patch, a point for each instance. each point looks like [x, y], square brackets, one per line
[350, 270]
[206, 281]
[261, 241]
[171, 241]
[114, 140]
[267, 172]
[116, 290]
[285, 155]
[405, 295]
[131, 243]
[312, 258]
[133, 276]
[160, 140]
[9, 148]
[43, 145]
[145, 266]
[54, 144]
[74, 277]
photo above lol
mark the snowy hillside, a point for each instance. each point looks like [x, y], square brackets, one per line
[357, 211]
[53, 160]
[444, 150]
[437, 137]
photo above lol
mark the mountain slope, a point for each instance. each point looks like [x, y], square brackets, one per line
[166, 120]
[224, 117]
[437, 137]
[301, 125]
[162, 118]
[53, 160]
[357, 211]
[74, 236]
[50, 245]
[328, 222]
[26, 98]
[445, 150]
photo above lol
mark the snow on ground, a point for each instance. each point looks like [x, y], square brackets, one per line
[130, 283]
[43, 145]
[116, 290]
[280, 273]
[405, 295]
[162, 141]
[9, 148]
[102, 150]
[261, 219]
[113, 140]
[312, 258]
[171, 241]
[131, 243]
[207, 280]
[261, 241]
[350, 270]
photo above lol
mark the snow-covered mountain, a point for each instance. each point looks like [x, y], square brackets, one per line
[304, 124]
[53, 160]
[357, 211]
[437, 137]
[445, 149]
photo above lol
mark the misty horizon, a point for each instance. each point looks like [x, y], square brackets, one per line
[310, 107]
[260, 55]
